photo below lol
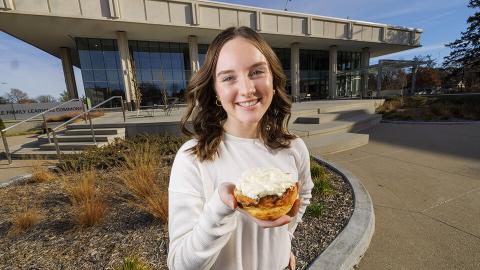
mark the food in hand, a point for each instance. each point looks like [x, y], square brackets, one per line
[266, 193]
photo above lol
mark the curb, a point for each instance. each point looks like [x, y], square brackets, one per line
[21, 178]
[348, 248]
[15, 179]
[430, 122]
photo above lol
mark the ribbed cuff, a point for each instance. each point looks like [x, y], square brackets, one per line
[216, 209]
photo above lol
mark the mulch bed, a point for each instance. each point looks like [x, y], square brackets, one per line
[58, 243]
[314, 234]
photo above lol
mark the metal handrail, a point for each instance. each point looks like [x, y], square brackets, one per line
[87, 112]
[96, 106]
[3, 131]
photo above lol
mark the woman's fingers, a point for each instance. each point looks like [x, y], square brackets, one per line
[274, 223]
[296, 206]
[293, 262]
[268, 223]
[226, 194]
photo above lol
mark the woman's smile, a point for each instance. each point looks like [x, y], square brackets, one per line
[249, 104]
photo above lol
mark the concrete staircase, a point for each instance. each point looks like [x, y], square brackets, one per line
[330, 128]
[73, 139]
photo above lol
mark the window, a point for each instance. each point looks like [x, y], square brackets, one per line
[314, 73]
[160, 67]
[101, 69]
[283, 55]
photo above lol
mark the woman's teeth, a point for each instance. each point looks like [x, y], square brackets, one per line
[249, 103]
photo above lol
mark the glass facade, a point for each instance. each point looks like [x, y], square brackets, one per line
[348, 86]
[202, 53]
[163, 68]
[314, 73]
[160, 67]
[101, 69]
[283, 55]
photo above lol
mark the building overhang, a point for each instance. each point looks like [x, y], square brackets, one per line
[51, 27]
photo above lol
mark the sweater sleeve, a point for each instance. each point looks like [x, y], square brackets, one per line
[198, 228]
[305, 181]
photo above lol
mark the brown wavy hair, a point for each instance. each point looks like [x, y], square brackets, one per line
[207, 117]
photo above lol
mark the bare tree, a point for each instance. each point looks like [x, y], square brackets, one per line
[136, 90]
[46, 99]
[16, 96]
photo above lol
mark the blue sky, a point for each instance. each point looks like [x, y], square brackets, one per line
[38, 73]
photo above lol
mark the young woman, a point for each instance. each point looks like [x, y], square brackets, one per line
[239, 113]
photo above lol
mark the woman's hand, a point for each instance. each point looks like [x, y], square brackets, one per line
[285, 219]
[226, 194]
[293, 262]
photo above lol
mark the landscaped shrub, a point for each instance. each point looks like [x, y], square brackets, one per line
[316, 170]
[67, 116]
[87, 206]
[320, 179]
[431, 108]
[470, 111]
[314, 209]
[442, 109]
[146, 175]
[132, 263]
[41, 173]
[25, 220]
[113, 155]
[389, 105]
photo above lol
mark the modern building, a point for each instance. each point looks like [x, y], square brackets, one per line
[155, 45]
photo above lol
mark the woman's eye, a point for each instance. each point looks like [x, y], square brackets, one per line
[227, 78]
[257, 72]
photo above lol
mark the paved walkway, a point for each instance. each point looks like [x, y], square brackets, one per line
[158, 116]
[18, 167]
[424, 181]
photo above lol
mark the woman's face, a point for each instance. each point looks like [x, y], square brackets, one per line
[243, 82]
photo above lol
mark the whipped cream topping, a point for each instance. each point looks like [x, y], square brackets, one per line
[259, 182]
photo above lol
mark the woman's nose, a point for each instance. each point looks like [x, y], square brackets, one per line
[246, 86]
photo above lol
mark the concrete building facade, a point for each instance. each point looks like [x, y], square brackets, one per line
[156, 45]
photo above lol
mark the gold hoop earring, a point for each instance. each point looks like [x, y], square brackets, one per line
[218, 103]
[274, 91]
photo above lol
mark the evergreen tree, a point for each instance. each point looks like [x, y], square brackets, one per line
[465, 52]
[64, 97]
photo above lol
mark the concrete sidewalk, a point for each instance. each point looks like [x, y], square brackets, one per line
[424, 181]
[18, 167]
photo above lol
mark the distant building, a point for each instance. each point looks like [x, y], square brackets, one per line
[168, 40]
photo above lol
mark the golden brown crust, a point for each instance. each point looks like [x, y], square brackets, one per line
[269, 207]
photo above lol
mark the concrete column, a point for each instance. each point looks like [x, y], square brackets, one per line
[193, 52]
[379, 79]
[6, 4]
[127, 71]
[332, 72]
[66, 55]
[365, 62]
[295, 70]
[414, 78]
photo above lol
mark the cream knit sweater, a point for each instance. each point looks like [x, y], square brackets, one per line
[205, 233]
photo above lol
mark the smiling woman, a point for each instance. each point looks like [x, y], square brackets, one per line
[240, 68]
[239, 112]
